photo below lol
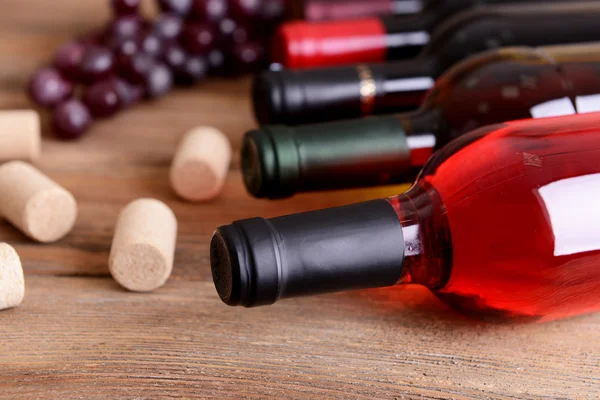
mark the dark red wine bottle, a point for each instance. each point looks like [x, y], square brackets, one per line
[496, 86]
[300, 44]
[330, 10]
[316, 95]
[502, 223]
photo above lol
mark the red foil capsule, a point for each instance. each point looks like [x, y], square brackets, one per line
[306, 45]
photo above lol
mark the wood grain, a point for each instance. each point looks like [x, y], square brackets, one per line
[82, 337]
[79, 335]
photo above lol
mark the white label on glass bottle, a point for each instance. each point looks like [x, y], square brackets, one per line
[426, 141]
[408, 84]
[412, 240]
[588, 104]
[407, 7]
[419, 38]
[572, 205]
[554, 108]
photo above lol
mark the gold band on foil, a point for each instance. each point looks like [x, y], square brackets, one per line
[367, 89]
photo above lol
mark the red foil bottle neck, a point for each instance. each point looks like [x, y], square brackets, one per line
[307, 45]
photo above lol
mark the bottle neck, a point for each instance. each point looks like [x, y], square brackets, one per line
[257, 261]
[366, 245]
[426, 236]
[401, 86]
[406, 36]
[280, 161]
[423, 129]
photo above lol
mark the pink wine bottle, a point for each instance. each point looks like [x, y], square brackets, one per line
[503, 222]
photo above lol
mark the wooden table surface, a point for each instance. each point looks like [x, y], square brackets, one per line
[79, 335]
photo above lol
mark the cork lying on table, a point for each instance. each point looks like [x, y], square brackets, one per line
[34, 203]
[143, 248]
[200, 165]
[20, 135]
[12, 283]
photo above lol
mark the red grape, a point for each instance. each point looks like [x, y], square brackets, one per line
[159, 81]
[127, 93]
[97, 63]
[231, 33]
[186, 41]
[194, 69]
[175, 56]
[198, 38]
[245, 9]
[179, 7]
[102, 98]
[126, 49]
[125, 7]
[122, 28]
[249, 56]
[68, 59]
[216, 60]
[48, 88]
[71, 119]
[273, 11]
[168, 26]
[209, 10]
[152, 44]
[137, 67]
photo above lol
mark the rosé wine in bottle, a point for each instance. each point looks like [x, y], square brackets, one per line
[502, 223]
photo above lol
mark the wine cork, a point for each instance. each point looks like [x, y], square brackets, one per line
[143, 248]
[200, 165]
[12, 282]
[20, 135]
[34, 203]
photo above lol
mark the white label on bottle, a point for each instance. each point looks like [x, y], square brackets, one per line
[407, 7]
[588, 104]
[412, 241]
[554, 108]
[419, 38]
[421, 141]
[572, 205]
[408, 84]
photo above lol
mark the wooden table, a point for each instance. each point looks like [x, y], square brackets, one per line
[79, 335]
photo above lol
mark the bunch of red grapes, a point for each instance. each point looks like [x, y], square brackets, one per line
[132, 58]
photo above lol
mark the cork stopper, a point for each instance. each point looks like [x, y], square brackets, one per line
[12, 283]
[20, 135]
[200, 165]
[34, 203]
[143, 248]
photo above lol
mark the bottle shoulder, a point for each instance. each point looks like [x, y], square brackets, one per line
[508, 84]
[536, 147]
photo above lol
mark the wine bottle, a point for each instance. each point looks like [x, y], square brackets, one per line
[328, 10]
[299, 44]
[316, 95]
[495, 86]
[503, 222]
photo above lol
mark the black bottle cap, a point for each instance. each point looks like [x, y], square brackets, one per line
[257, 261]
[267, 96]
[279, 161]
[295, 97]
[270, 162]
